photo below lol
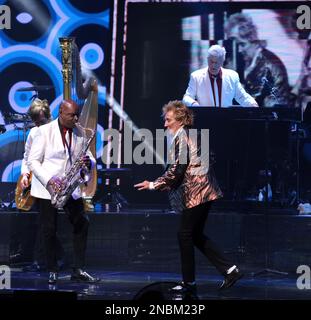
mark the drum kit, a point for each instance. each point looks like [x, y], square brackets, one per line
[23, 121]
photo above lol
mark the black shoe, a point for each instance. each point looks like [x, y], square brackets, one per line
[187, 291]
[231, 279]
[82, 276]
[53, 276]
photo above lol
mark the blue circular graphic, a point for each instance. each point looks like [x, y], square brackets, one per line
[12, 172]
[20, 100]
[92, 56]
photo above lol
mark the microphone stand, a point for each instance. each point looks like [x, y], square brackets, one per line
[273, 90]
[267, 270]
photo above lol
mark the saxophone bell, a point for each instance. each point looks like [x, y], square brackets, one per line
[55, 187]
[77, 173]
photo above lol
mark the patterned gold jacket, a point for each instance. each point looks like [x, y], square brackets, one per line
[189, 177]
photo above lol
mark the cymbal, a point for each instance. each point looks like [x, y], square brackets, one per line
[35, 88]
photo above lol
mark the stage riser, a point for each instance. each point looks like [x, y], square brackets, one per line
[147, 241]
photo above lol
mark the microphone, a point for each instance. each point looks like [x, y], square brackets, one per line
[264, 80]
[268, 85]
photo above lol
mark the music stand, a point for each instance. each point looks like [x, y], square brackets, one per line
[113, 195]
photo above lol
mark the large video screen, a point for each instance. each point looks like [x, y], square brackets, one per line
[167, 41]
[164, 42]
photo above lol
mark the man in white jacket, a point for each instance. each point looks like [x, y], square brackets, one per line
[55, 146]
[215, 86]
[40, 114]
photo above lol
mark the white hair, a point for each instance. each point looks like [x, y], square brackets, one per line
[217, 51]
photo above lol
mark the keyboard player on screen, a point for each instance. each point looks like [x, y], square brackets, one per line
[215, 85]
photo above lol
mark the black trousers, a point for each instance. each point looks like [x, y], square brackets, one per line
[39, 254]
[190, 235]
[80, 222]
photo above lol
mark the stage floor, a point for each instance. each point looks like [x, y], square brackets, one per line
[125, 286]
[135, 248]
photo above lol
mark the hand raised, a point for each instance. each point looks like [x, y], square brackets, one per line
[142, 185]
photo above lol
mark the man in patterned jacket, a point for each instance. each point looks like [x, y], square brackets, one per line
[192, 189]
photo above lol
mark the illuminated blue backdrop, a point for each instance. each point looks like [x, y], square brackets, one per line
[30, 54]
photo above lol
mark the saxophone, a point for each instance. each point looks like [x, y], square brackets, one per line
[75, 174]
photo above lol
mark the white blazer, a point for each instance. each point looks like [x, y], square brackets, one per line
[200, 90]
[48, 157]
[28, 144]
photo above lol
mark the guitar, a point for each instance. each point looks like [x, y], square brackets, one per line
[23, 199]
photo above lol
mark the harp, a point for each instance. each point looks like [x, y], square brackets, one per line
[86, 96]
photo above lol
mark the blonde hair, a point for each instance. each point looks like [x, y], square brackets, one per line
[181, 111]
[246, 28]
[37, 106]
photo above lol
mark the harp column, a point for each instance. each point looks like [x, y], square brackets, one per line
[66, 45]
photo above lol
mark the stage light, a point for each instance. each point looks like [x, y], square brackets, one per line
[116, 107]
